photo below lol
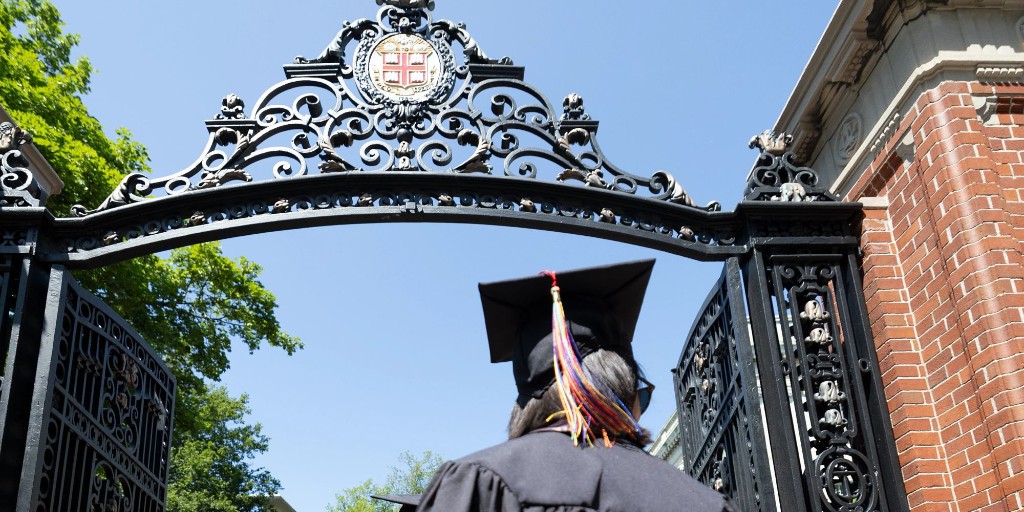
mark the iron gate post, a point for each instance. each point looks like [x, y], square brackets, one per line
[828, 422]
[25, 182]
[24, 297]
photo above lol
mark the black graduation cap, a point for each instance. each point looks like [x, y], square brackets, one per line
[408, 502]
[601, 305]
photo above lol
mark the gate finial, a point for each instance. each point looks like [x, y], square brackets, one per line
[776, 177]
[409, 4]
[768, 142]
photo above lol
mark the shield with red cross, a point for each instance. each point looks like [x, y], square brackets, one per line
[404, 66]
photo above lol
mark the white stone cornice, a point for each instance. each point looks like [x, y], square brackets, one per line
[946, 62]
[997, 4]
[833, 49]
[874, 61]
[851, 58]
[806, 136]
[667, 440]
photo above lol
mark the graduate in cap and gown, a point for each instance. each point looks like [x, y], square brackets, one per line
[574, 441]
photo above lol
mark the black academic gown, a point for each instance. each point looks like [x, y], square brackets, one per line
[544, 472]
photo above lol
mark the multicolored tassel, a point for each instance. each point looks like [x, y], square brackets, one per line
[590, 407]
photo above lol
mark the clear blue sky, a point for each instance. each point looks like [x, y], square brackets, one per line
[395, 355]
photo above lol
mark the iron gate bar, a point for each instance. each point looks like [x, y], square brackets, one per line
[760, 465]
[773, 390]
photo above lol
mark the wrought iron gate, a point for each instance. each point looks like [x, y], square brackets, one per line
[817, 384]
[85, 406]
[720, 427]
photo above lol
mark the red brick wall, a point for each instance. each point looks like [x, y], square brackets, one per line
[944, 283]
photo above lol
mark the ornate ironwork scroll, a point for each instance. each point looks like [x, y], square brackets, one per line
[402, 93]
[776, 177]
[821, 386]
[719, 406]
[17, 184]
[103, 429]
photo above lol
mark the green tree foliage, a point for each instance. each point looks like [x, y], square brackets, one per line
[357, 499]
[411, 477]
[217, 477]
[188, 306]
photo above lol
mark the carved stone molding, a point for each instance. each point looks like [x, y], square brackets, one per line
[847, 139]
[806, 138]
[887, 130]
[986, 108]
[855, 57]
[1000, 73]
[907, 150]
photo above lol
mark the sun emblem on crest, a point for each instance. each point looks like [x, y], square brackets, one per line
[405, 67]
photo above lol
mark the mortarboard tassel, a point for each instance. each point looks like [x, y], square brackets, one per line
[588, 404]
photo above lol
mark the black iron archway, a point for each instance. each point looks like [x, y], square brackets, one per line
[404, 118]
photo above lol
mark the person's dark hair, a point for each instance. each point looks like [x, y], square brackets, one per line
[618, 372]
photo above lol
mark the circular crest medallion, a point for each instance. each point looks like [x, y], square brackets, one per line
[404, 67]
